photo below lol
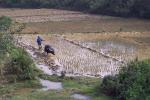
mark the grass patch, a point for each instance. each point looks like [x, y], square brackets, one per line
[83, 85]
[49, 95]
[29, 89]
[10, 89]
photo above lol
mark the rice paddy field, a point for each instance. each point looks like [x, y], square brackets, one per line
[92, 56]
[86, 45]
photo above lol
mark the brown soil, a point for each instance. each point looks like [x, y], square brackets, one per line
[62, 21]
[89, 26]
[23, 90]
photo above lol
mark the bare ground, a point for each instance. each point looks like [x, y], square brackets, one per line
[62, 21]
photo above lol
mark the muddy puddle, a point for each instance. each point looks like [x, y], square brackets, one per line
[80, 97]
[45, 69]
[49, 85]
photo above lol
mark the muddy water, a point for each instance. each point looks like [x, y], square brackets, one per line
[45, 69]
[80, 97]
[48, 85]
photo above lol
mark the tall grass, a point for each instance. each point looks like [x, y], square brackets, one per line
[20, 65]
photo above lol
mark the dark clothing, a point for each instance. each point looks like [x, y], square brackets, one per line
[39, 40]
[49, 49]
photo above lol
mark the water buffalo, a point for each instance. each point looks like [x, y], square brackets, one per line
[49, 49]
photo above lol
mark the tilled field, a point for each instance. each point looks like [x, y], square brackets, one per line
[42, 15]
[63, 21]
[77, 60]
[92, 54]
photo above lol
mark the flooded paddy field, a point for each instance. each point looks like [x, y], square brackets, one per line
[113, 48]
[111, 52]
[123, 45]
[76, 60]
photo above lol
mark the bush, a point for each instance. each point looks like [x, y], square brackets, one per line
[5, 23]
[109, 85]
[16, 61]
[6, 38]
[132, 83]
[21, 65]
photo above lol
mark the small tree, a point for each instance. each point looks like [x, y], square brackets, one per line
[21, 65]
[132, 83]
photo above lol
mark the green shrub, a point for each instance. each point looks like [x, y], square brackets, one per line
[5, 23]
[109, 85]
[17, 64]
[21, 65]
[6, 38]
[132, 83]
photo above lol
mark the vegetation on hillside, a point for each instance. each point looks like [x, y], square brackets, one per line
[5, 23]
[15, 61]
[132, 83]
[138, 8]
